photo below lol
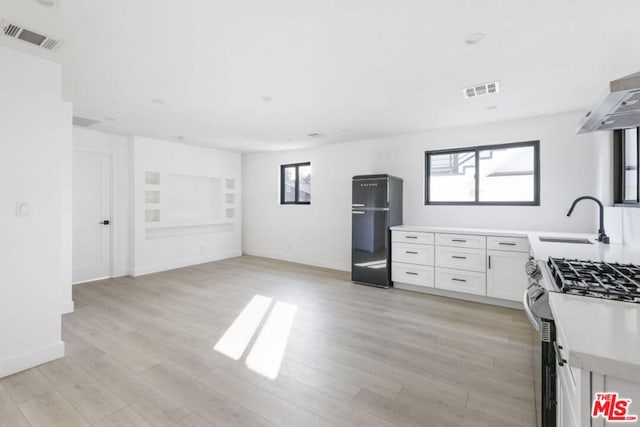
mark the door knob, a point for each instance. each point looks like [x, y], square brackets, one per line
[105, 222]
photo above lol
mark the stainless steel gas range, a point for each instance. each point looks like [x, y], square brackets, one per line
[611, 281]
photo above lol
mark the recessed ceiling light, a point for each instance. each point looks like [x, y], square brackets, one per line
[266, 98]
[49, 3]
[158, 101]
[475, 38]
[491, 107]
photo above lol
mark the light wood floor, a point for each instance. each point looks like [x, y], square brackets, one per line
[140, 352]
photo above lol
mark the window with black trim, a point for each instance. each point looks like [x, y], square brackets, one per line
[626, 154]
[295, 184]
[504, 174]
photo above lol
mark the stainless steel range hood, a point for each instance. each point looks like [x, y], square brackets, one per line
[618, 108]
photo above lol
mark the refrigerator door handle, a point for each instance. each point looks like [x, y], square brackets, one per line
[358, 212]
[358, 205]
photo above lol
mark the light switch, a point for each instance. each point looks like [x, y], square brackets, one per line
[22, 209]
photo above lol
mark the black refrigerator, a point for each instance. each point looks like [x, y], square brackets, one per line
[376, 206]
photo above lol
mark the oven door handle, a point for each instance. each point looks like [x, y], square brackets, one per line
[535, 321]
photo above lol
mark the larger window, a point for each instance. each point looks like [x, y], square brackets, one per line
[505, 174]
[625, 166]
[295, 184]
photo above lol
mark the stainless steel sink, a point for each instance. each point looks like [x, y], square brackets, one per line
[573, 240]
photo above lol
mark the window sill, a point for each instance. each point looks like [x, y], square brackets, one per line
[626, 205]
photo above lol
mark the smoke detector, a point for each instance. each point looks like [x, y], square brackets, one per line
[481, 89]
[15, 31]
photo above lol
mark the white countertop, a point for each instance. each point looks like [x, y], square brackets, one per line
[598, 335]
[613, 252]
[454, 230]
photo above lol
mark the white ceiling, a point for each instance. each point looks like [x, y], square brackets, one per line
[347, 69]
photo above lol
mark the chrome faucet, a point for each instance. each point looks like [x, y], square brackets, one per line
[602, 236]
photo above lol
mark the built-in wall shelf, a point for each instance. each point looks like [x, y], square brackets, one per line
[152, 215]
[178, 205]
[152, 178]
[165, 224]
[163, 231]
[152, 196]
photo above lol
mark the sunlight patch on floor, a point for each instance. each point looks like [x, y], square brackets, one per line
[268, 351]
[235, 340]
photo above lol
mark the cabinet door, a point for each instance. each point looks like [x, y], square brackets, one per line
[506, 278]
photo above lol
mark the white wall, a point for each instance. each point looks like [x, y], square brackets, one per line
[621, 224]
[320, 234]
[35, 168]
[119, 147]
[177, 245]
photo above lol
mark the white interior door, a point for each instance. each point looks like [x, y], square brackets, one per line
[91, 209]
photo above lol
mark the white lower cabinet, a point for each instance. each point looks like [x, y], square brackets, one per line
[506, 278]
[413, 253]
[418, 275]
[469, 282]
[472, 264]
[461, 258]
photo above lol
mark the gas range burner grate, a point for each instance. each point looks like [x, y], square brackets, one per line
[620, 282]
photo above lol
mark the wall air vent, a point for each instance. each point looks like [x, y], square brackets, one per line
[481, 89]
[19, 32]
[83, 122]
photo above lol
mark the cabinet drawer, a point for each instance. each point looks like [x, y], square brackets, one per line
[460, 281]
[412, 237]
[461, 240]
[463, 259]
[419, 275]
[412, 253]
[513, 244]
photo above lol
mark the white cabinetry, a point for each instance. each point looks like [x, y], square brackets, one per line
[460, 264]
[470, 282]
[418, 275]
[506, 257]
[413, 253]
[412, 256]
[461, 259]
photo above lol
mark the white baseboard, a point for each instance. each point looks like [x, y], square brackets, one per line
[67, 307]
[332, 265]
[30, 359]
[141, 271]
[458, 295]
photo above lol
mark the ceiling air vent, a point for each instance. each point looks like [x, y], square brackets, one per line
[83, 122]
[16, 31]
[481, 89]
